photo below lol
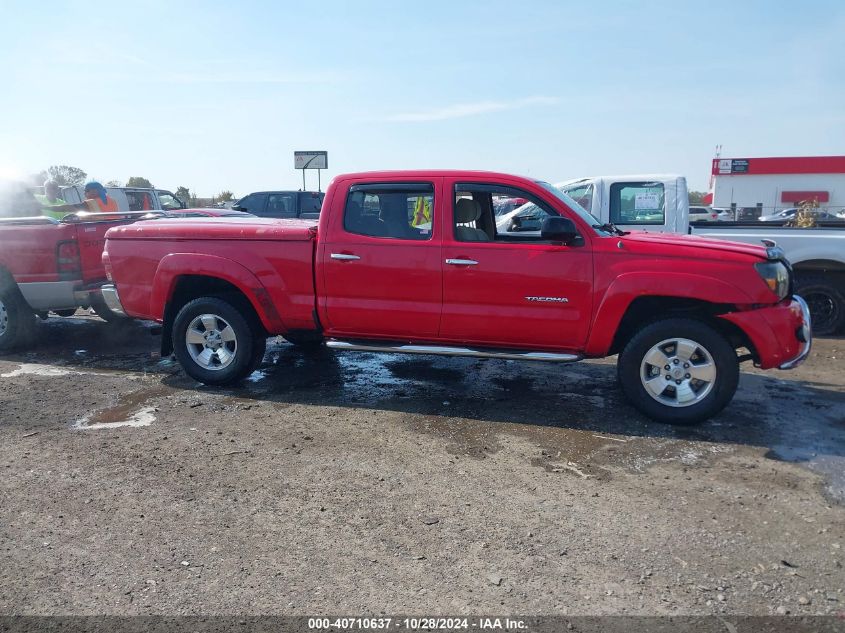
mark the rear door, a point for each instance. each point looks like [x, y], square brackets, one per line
[381, 271]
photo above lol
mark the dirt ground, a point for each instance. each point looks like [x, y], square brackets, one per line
[365, 484]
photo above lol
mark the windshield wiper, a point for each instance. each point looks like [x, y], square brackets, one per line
[611, 228]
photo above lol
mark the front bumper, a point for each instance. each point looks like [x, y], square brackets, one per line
[780, 334]
[803, 334]
[112, 299]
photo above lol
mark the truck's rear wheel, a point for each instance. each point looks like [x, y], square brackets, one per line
[825, 300]
[679, 371]
[215, 343]
[17, 321]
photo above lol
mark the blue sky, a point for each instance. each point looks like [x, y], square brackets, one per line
[218, 95]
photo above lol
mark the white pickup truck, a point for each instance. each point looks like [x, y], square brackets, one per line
[818, 258]
[659, 202]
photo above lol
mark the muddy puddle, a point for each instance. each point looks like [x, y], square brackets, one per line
[132, 410]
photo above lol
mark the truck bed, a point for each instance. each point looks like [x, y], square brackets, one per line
[800, 245]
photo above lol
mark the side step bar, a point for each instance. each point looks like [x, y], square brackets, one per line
[381, 346]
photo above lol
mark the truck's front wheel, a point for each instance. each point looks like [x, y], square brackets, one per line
[215, 343]
[826, 302]
[679, 371]
[17, 321]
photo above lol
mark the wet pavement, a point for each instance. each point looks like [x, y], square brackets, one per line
[792, 416]
[96, 380]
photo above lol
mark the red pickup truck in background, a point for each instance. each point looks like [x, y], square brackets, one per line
[413, 262]
[51, 266]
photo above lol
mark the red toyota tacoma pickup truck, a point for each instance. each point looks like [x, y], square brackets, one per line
[51, 266]
[412, 262]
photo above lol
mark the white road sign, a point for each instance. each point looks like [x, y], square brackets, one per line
[311, 160]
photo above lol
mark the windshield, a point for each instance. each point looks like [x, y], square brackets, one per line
[589, 218]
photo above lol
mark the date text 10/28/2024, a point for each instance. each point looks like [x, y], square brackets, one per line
[415, 624]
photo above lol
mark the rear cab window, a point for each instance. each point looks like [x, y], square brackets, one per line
[402, 211]
[642, 203]
[253, 203]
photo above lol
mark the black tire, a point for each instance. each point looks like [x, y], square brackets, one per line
[65, 313]
[712, 396]
[17, 320]
[242, 355]
[826, 302]
[305, 340]
[98, 305]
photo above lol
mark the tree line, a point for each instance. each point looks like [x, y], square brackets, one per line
[69, 176]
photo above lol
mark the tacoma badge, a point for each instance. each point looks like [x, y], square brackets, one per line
[548, 299]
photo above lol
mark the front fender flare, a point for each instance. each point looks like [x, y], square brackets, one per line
[627, 287]
[175, 265]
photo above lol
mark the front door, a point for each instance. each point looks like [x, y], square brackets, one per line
[505, 286]
[380, 263]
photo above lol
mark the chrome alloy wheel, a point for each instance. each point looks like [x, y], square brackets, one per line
[4, 318]
[678, 372]
[211, 342]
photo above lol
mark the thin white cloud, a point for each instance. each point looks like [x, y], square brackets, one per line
[249, 77]
[461, 110]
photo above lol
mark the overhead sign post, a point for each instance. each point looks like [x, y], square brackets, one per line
[311, 160]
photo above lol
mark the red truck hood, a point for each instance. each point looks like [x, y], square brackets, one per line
[209, 228]
[695, 241]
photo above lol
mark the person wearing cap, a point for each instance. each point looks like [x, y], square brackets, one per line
[97, 200]
[50, 201]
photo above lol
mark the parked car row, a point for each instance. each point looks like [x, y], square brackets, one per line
[786, 215]
[710, 214]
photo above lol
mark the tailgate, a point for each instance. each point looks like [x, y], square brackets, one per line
[91, 237]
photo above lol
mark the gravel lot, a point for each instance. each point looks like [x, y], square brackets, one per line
[360, 484]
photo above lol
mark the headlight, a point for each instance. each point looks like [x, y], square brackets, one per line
[776, 277]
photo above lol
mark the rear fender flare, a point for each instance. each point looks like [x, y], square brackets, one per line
[173, 266]
[627, 287]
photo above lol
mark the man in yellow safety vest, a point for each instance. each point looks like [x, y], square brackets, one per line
[422, 213]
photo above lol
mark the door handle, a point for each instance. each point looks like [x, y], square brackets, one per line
[344, 257]
[462, 262]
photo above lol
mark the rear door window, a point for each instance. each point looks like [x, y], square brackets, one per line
[310, 203]
[399, 211]
[281, 205]
[637, 203]
[168, 200]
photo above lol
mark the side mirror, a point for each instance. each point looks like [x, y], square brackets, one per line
[237, 207]
[558, 229]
